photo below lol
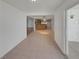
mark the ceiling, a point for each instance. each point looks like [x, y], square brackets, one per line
[39, 6]
[76, 7]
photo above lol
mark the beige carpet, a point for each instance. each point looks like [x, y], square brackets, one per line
[38, 45]
[73, 50]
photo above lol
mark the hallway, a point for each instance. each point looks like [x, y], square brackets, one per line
[38, 45]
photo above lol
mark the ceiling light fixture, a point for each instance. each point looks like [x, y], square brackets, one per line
[33, 0]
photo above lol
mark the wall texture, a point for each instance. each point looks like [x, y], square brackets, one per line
[12, 27]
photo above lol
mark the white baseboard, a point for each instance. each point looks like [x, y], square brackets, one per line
[8, 50]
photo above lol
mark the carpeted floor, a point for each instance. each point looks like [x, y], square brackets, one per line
[38, 45]
[73, 50]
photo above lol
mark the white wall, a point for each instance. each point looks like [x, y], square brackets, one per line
[60, 23]
[0, 27]
[12, 26]
[73, 24]
[59, 29]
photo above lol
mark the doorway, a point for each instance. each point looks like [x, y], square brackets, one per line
[30, 25]
[72, 32]
[36, 23]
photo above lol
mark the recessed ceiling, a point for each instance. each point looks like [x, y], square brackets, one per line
[38, 6]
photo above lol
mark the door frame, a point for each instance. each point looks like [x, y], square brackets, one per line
[66, 40]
